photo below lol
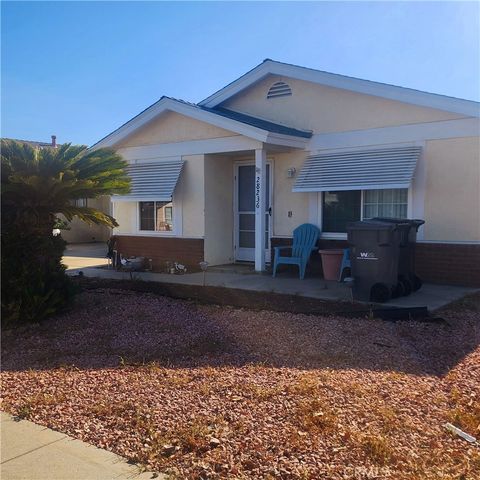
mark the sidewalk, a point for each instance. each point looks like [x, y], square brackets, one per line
[33, 452]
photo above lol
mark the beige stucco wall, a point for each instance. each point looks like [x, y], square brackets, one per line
[126, 215]
[172, 127]
[218, 209]
[452, 197]
[82, 232]
[191, 192]
[284, 200]
[327, 109]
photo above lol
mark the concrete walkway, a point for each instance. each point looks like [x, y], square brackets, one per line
[90, 259]
[33, 452]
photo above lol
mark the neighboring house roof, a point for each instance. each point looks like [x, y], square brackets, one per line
[247, 125]
[33, 143]
[368, 87]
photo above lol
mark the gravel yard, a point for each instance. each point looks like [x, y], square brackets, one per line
[216, 392]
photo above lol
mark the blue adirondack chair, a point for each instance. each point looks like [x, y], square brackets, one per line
[304, 240]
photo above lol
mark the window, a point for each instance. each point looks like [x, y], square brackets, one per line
[156, 216]
[339, 208]
[385, 203]
[342, 207]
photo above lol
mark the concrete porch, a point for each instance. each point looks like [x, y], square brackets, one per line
[241, 276]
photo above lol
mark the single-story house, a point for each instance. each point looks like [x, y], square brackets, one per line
[228, 178]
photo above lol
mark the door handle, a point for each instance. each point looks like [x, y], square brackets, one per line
[270, 211]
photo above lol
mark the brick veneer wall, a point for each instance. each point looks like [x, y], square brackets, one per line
[188, 251]
[450, 264]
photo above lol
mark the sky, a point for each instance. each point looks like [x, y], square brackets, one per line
[81, 69]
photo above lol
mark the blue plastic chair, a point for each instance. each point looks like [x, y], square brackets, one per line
[304, 240]
[346, 263]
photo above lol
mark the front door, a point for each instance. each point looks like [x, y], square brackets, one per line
[245, 211]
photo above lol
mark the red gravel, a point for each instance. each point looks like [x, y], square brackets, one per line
[209, 392]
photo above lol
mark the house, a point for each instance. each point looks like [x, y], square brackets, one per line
[78, 231]
[228, 178]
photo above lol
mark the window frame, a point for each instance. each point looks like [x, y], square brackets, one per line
[343, 235]
[176, 220]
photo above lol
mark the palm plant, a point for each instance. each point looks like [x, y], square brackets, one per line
[37, 185]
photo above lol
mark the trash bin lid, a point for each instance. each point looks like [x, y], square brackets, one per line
[370, 225]
[412, 222]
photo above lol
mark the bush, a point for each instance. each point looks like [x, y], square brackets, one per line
[34, 283]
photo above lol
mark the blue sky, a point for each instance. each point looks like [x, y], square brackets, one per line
[80, 69]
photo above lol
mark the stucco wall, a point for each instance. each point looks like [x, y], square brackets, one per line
[218, 209]
[191, 191]
[327, 109]
[172, 127]
[452, 199]
[81, 232]
[284, 200]
[126, 215]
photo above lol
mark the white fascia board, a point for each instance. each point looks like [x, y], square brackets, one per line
[168, 104]
[463, 127]
[237, 143]
[287, 140]
[367, 87]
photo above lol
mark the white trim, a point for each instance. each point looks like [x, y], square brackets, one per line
[392, 92]
[260, 208]
[166, 104]
[464, 127]
[236, 143]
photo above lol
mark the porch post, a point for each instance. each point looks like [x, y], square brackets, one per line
[260, 207]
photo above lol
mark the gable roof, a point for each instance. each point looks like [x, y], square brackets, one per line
[391, 92]
[252, 127]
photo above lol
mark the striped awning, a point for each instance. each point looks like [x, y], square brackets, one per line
[358, 170]
[152, 181]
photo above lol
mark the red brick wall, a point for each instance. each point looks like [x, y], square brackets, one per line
[188, 251]
[450, 264]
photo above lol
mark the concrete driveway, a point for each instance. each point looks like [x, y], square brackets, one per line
[82, 255]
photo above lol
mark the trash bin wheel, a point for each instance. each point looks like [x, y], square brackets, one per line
[407, 286]
[416, 282]
[379, 293]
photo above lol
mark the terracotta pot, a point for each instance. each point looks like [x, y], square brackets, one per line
[331, 262]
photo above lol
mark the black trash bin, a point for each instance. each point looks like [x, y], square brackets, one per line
[374, 251]
[408, 280]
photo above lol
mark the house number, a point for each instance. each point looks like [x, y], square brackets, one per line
[257, 192]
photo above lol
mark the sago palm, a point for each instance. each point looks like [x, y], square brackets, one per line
[37, 185]
[40, 183]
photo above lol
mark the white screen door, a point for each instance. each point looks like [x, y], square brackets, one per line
[245, 212]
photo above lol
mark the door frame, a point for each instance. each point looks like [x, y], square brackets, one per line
[236, 248]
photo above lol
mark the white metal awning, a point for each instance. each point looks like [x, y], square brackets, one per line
[152, 181]
[358, 170]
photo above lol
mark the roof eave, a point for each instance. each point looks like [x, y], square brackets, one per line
[167, 104]
[367, 87]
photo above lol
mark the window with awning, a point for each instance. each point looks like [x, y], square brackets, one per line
[387, 168]
[152, 181]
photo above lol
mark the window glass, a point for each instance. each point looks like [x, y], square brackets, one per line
[339, 208]
[385, 203]
[156, 216]
[164, 212]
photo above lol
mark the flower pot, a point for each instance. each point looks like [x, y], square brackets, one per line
[331, 262]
